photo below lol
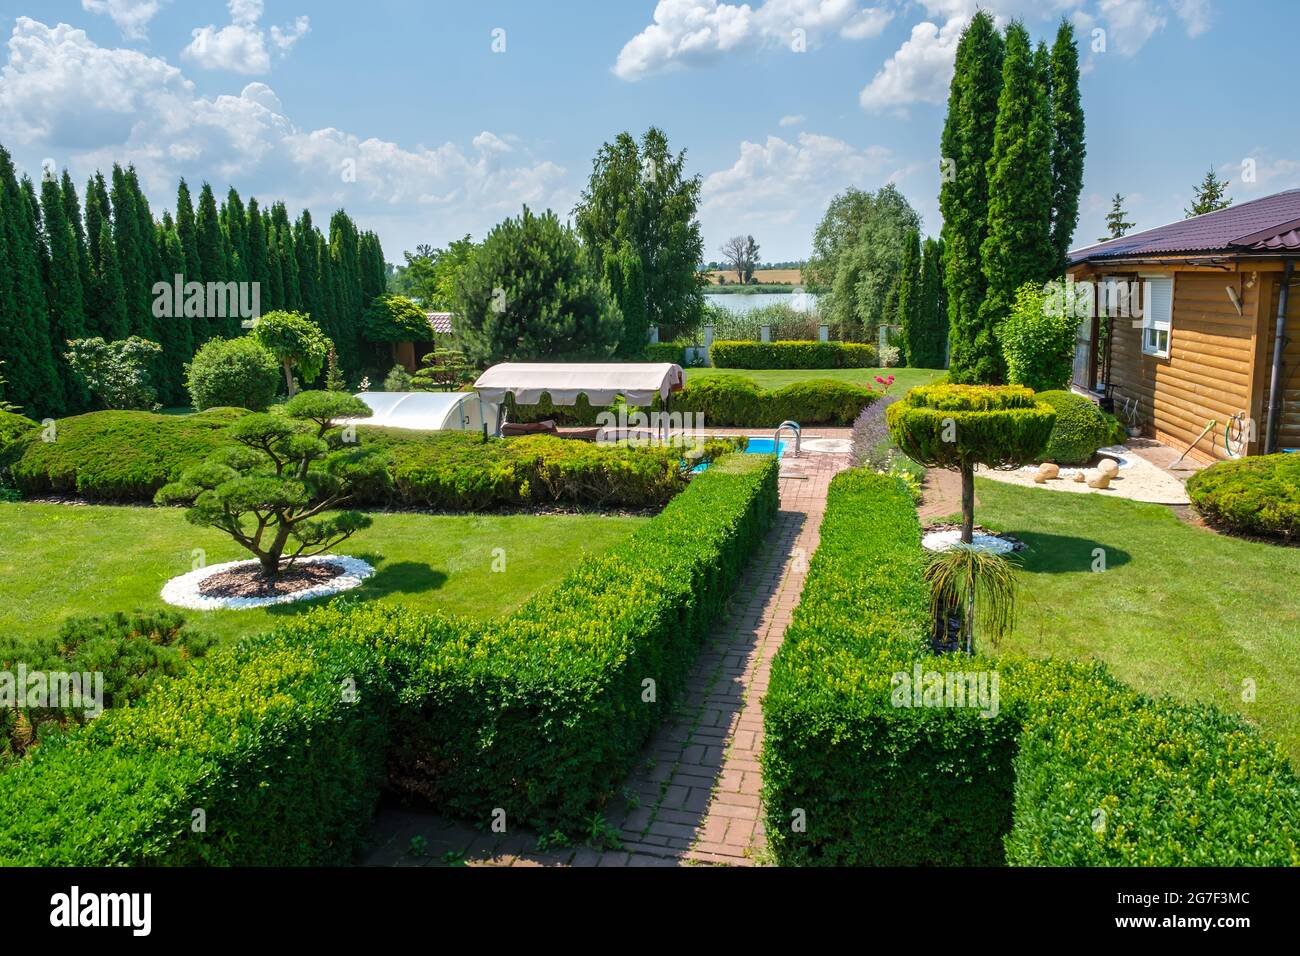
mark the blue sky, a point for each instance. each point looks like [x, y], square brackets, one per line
[429, 120]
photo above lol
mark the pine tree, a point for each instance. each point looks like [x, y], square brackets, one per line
[1018, 248]
[909, 298]
[64, 293]
[1211, 195]
[187, 231]
[967, 145]
[1116, 220]
[32, 381]
[1068, 144]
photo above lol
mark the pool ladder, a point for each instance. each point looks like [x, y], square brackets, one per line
[784, 426]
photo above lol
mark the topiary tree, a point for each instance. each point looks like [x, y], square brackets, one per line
[297, 343]
[271, 490]
[116, 373]
[1081, 428]
[241, 373]
[961, 426]
[444, 369]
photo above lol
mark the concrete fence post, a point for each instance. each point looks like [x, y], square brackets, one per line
[824, 333]
[765, 333]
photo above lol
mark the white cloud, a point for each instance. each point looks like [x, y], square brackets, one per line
[131, 16]
[920, 70]
[1129, 24]
[1195, 15]
[62, 95]
[687, 33]
[792, 120]
[241, 46]
[795, 181]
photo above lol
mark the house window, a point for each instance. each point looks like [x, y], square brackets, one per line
[1157, 314]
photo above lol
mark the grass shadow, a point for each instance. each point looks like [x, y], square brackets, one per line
[1060, 554]
[396, 577]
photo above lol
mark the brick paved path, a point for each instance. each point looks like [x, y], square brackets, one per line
[694, 796]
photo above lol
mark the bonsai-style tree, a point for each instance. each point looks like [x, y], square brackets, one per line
[444, 369]
[297, 343]
[277, 488]
[961, 426]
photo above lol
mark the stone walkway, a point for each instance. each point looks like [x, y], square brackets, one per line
[694, 796]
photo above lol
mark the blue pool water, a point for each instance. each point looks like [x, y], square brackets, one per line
[756, 446]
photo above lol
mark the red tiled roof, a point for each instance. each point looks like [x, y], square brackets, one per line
[1269, 224]
[441, 322]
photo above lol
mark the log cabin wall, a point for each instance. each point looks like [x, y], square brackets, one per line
[1209, 373]
[1289, 428]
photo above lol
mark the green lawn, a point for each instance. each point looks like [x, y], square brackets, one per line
[904, 378]
[1178, 610]
[57, 561]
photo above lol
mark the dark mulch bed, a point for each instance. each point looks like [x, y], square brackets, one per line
[250, 582]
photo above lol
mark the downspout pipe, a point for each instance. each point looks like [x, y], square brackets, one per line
[1279, 345]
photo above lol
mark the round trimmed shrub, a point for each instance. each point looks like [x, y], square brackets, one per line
[1259, 495]
[1081, 428]
[239, 373]
[960, 426]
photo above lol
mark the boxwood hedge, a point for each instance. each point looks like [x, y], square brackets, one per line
[793, 355]
[733, 401]
[275, 751]
[1073, 769]
[1258, 495]
[1081, 428]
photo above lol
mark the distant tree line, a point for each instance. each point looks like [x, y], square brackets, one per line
[69, 271]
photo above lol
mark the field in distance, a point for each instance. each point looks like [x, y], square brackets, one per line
[763, 276]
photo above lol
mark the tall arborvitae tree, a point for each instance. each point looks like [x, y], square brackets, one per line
[285, 238]
[175, 333]
[234, 223]
[1068, 145]
[32, 381]
[213, 261]
[109, 308]
[909, 297]
[273, 294]
[1117, 223]
[130, 252]
[187, 231]
[63, 290]
[1211, 195]
[258, 266]
[374, 275]
[307, 268]
[141, 298]
[345, 259]
[930, 342]
[967, 145]
[42, 249]
[1018, 248]
[72, 212]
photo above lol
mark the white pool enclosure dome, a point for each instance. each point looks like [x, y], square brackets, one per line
[429, 411]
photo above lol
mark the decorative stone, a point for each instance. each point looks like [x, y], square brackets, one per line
[1108, 467]
[1080, 476]
[1047, 471]
[1101, 481]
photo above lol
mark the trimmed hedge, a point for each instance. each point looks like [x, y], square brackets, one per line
[1259, 495]
[1074, 769]
[732, 401]
[1081, 428]
[665, 352]
[793, 355]
[285, 740]
[119, 455]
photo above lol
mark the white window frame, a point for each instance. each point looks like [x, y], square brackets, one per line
[1156, 328]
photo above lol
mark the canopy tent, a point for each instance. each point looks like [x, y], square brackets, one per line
[638, 383]
[428, 411]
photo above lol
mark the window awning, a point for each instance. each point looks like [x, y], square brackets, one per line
[638, 383]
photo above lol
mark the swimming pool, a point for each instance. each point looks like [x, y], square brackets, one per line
[756, 446]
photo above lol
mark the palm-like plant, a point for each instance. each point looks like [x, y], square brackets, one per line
[978, 585]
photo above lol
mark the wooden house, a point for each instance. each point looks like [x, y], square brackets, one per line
[1195, 334]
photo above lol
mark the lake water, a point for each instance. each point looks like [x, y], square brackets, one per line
[747, 302]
